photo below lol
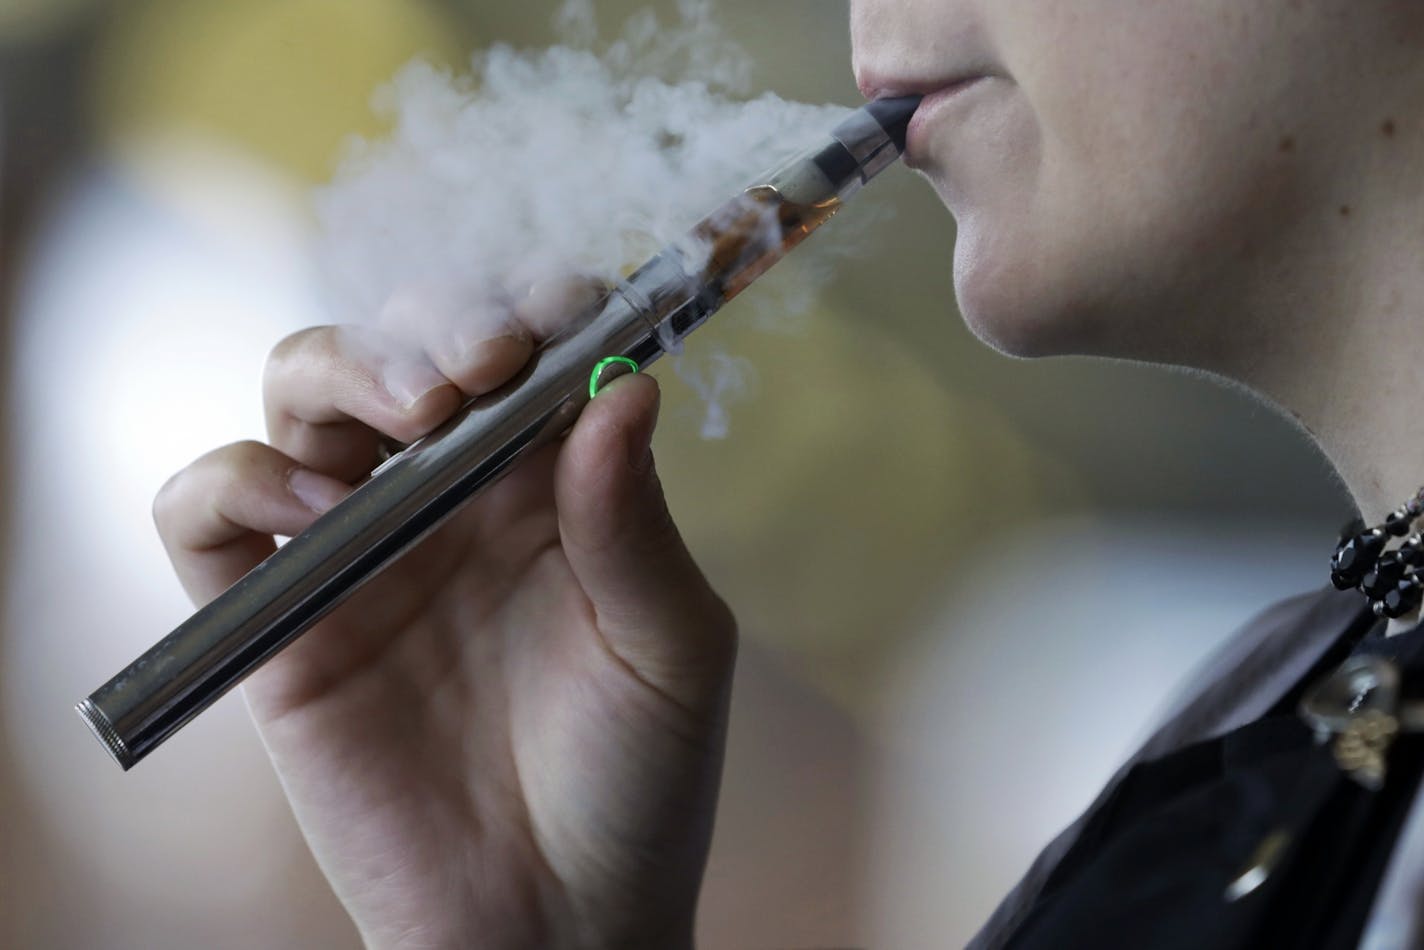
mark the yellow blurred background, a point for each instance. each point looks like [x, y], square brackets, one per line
[964, 582]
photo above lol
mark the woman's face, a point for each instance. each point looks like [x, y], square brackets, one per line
[1135, 177]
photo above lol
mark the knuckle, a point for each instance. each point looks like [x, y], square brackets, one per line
[167, 504]
[244, 455]
[236, 469]
[208, 483]
[301, 352]
[294, 347]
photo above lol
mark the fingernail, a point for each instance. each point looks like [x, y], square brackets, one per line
[409, 382]
[316, 491]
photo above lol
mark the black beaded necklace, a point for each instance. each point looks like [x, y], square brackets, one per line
[1391, 579]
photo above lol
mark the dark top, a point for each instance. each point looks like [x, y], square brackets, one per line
[1151, 865]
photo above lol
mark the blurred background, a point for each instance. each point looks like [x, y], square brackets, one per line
[965, 583]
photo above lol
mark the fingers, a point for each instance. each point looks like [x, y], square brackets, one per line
[654, 605]
[552, 304]
[476, 348]
[218, 515]
[332, 393]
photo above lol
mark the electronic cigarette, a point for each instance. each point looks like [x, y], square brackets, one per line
[410, 494]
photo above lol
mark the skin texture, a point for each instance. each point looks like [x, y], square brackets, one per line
[1232, 187]
[513, 738]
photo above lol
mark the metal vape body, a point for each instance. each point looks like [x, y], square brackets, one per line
[413, 492]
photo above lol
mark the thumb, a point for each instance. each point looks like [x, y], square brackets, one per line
[653, 604]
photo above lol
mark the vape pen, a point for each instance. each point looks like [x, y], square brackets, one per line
[413, 492]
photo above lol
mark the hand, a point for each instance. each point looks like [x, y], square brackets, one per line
[513, 736]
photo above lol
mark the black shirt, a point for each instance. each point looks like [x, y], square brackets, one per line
[1152, 864]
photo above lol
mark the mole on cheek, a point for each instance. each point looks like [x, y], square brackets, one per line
[1344, 211]
[1387, 128]
[1287, 144]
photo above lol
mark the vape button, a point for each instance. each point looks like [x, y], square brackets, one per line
[387, 464]
[393, 459]
[607, 370]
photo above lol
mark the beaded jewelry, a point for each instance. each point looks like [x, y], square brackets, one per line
[1391, 579]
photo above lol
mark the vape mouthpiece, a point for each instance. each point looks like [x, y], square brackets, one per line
[894, 116]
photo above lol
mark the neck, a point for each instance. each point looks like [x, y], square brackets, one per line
[1341, 348]
[1344, 352]
[1350, 365]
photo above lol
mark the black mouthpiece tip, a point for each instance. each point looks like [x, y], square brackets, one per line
[894, 116]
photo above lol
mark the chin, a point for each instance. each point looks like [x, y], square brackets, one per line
[1007, 333]
[1003, 305]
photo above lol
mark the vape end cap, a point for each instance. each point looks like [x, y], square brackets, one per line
[104, 731]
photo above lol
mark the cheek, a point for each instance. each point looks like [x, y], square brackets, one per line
[1150, 154]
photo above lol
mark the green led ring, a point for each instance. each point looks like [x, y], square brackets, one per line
[593, 386]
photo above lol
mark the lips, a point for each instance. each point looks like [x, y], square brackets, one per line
[939, 88]
[934, 105]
